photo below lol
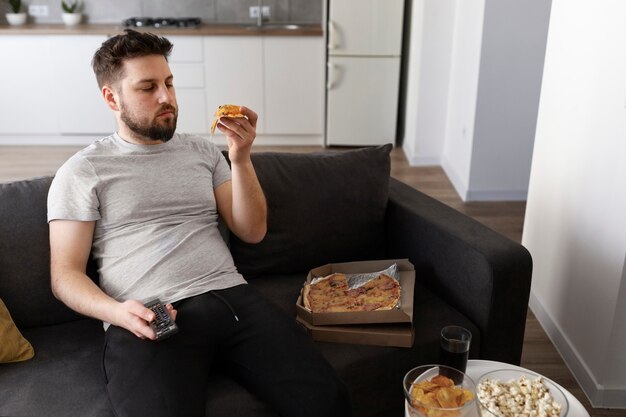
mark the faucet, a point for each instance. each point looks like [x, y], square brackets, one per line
[259, 17]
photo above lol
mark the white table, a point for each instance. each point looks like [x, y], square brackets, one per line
[477, 368]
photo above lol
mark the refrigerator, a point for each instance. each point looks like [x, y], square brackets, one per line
[364, 53]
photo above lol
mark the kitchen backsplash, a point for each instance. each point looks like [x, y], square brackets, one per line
[211, 11]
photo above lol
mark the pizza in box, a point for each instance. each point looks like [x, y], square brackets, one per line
[335, 293]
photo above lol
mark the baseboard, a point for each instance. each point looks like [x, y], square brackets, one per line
[599, 396]
[497, 195]
[459, 186]
[423, 161]
[418, 160]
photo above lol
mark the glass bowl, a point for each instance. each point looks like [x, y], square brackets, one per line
[509, 375]
[417, 408]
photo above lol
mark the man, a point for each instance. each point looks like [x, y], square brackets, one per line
[145, 201]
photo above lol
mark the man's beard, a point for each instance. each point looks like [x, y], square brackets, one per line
[155, 129]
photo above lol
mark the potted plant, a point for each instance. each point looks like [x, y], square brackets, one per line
[71, 13]
[16, 16]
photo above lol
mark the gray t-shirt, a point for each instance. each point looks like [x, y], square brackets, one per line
[156, 233]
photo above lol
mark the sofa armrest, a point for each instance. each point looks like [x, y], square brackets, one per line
[481, 273]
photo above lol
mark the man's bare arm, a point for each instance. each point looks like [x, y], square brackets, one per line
[70, 245]
[241, 202]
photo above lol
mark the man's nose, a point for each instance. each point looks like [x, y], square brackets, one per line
[166, 95]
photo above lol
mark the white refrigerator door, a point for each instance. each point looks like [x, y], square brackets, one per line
[362, 101]
[365, 27]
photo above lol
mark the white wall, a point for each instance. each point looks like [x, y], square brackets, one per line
[575, 227]
[479, 76]
[458, 139]
[511, 67]
[432, 26]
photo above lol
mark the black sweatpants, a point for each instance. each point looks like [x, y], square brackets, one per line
[260, 346]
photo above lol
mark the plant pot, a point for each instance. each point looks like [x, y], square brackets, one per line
[71, 19]
[16, 19]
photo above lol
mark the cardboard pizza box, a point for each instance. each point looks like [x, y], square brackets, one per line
[390, 334]
[403, 314]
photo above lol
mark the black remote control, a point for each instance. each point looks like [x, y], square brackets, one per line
[163, 325]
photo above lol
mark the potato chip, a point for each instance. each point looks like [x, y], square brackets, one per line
[447, 397]
[442, 381]
[433, 397]
[428, 386]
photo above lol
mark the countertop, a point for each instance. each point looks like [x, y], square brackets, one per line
[206, 29]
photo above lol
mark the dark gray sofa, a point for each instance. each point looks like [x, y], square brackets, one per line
[323, 207]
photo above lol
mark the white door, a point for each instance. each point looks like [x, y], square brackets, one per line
[365, 27]
[362, 101]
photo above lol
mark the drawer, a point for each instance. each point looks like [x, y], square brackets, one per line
[187, 75]
[186, 49]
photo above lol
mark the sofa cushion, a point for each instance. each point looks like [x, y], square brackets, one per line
[25, 255]
[14, 348]
[322, 207]
[63, 379]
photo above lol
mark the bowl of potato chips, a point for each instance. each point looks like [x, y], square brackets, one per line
[431, 391]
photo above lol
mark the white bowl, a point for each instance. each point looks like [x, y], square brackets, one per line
[508, 375]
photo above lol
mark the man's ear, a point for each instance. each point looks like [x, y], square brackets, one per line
[110, 97]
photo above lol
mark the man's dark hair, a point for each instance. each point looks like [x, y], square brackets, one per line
[108, 60]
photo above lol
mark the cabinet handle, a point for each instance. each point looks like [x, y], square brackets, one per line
[332, 34]
[332, 81]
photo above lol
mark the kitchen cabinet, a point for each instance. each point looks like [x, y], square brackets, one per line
[28, 104]
[234, 73]
[294, 85]
[187, 65]
[49, 78]
[49, 88]
[80, 108]
[280, 78]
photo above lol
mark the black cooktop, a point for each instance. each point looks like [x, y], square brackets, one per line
[162, 22]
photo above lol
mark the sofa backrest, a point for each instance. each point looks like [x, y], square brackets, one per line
[25, 255]
[322, 207]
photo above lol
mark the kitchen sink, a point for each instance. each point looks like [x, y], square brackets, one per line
[275, 26]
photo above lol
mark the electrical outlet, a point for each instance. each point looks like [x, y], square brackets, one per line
[38, 10]
[254, 11]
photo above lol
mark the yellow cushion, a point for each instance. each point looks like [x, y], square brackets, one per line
[13, 346]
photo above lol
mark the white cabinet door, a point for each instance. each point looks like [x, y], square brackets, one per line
[28, 104]
[234, 73]
[294, 85]
[186, 49]
[362, 101]
[192, 114]
[365, 27]
[79, 108]
[190, 95]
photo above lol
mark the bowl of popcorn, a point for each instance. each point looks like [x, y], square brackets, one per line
[439, 391]
[512, 392]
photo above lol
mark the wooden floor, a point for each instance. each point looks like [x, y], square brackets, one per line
[505, 217]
